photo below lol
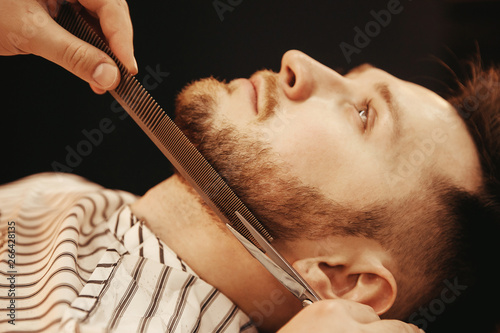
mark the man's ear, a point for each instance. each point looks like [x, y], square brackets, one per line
[363, 279]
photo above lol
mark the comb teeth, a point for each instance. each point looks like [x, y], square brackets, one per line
[168, 137]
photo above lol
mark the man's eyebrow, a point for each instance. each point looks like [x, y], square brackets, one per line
[393, 107]
[360, 68]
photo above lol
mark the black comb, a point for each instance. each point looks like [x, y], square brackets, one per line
[167, 136]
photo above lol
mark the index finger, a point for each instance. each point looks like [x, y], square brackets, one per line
[116, 25]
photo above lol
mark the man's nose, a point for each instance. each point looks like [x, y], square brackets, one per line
[301, 76]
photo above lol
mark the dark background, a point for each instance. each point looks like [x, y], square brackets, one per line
[45, 109]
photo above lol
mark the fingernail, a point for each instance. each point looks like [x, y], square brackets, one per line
[136, 68]
[53, 8]
[105, 75]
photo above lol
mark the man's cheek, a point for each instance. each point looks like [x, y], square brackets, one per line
[307, 137]
[311, 151]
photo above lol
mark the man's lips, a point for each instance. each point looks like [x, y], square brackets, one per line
[252, 88]
[255, 80]
[246, 88]
[259, 93]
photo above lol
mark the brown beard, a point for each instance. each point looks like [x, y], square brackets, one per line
[286, 207]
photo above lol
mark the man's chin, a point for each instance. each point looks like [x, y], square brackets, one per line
[200, 91]
[195, 106]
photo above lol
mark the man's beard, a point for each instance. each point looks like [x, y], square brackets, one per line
[286, 207]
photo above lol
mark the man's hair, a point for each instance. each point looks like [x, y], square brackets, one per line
[477, 215]
[450, 236]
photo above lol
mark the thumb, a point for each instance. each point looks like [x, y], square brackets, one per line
[78, 57]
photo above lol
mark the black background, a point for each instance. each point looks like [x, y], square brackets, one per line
[45, 109]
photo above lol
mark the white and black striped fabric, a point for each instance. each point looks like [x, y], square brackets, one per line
[84, 263]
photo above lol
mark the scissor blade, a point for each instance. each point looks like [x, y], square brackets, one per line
[277, 258]
[282, 276]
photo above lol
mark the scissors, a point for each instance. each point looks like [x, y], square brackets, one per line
[276, 264]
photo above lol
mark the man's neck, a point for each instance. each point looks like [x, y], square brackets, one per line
[172, 210]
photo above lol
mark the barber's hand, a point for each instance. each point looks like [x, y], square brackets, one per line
[343, 316]
[26, 26]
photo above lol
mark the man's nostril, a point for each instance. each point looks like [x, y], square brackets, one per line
[291, 78]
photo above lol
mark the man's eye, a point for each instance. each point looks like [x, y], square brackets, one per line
[364, 112]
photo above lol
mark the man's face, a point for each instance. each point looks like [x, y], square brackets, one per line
[310, 119]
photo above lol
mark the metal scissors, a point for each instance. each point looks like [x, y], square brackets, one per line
[276, 264]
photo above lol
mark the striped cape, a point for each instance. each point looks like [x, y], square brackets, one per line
[75, 259]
